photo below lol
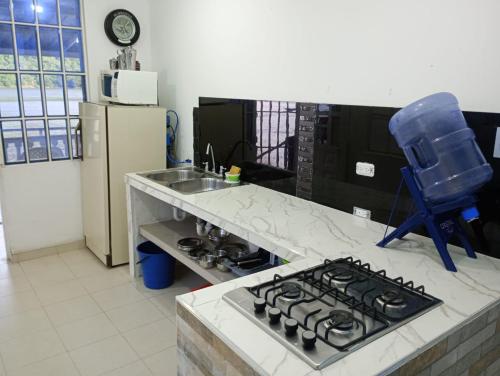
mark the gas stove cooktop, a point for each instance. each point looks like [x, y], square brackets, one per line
[326, 312]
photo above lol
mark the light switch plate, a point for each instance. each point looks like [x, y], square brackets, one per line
[365, 169]
[363, 213]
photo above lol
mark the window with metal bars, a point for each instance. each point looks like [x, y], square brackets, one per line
[42, 79]
[275, 125]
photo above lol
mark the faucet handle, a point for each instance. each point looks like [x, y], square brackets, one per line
[205, 165]
[222, 169]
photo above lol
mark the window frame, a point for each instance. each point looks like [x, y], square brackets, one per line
[42, 73]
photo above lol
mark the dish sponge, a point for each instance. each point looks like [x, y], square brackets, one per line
[234, 170]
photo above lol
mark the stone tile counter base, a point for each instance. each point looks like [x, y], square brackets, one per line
[200, 352]
[474, 350]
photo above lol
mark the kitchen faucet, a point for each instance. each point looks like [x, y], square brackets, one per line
[210, 150]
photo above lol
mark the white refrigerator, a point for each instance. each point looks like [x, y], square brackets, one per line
[113, 140]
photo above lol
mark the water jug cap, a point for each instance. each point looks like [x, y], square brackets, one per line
[470, 214]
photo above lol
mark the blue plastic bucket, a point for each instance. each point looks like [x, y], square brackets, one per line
[157, 266]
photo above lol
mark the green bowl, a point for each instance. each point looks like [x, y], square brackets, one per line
[234, 178]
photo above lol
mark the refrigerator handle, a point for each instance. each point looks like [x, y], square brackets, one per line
[79, 140]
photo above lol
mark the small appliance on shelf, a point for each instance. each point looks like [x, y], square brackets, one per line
[129, 87]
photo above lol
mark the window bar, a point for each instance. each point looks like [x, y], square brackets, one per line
[42, 90]
[278, 136]
[63, 70]
[261, 128]
[269, 133]
[19, 91]
[287, 125]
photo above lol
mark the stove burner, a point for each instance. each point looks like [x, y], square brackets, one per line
[392, 297]
[290, 291]
[340, 274]
[340, 321]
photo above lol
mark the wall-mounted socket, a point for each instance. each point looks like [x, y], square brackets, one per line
[363, 213]
[365, 169]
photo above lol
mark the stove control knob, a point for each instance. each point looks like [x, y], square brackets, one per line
[274, 315]
[308, 339]
[291, 326]
[260, 305]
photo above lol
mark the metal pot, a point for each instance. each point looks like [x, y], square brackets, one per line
[218, 235]
[207, 261]
[196, 254]
[222, 267]
[189, 244]
[219, 253]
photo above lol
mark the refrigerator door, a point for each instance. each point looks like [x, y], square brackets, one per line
[136, 142]
[94, 173]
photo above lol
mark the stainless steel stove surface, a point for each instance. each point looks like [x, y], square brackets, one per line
[326, 312]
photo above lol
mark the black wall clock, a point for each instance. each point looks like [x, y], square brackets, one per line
[122, 28]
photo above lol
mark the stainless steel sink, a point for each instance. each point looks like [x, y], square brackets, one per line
[188, 180]
[199, 185]
[174, 175]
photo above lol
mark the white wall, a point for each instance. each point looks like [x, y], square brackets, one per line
[384, 53]
[41, 202]
[41, 205]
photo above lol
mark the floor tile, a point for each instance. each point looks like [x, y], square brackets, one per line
[59, 292]
[117, 296]
[8, 270]
[165, 303]
[147, 292]
[134, 369]
[28, 349]
[86, 331]
[87, 268]
[83, 263]
[11, 285]
[103, 356]
[77, 255]
[21, 324]
[46, 270]
[146, 340]
[18, 302]
[59, 365]
[72, 310]
[103, 281]
[164, 363]
[134, 315]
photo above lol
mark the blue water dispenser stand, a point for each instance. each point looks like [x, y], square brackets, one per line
[439, 219]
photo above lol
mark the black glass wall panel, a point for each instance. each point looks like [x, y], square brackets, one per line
[311, 151]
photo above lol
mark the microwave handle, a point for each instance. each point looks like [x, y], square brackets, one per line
[79, 140]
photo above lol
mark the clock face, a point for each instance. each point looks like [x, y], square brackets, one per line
[122, 28]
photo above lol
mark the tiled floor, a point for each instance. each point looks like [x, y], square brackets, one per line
[69, 315]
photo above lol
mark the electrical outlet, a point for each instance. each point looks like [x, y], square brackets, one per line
[365, 169]
[363, 213]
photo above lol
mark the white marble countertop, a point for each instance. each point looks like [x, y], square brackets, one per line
[306, 233]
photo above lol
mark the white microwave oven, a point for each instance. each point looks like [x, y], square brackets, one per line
[129, 87]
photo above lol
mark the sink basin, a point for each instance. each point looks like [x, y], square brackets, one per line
[175, 175]
[199, 185]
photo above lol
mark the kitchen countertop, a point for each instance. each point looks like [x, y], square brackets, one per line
[306, 233]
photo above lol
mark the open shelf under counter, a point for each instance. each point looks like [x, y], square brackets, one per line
[166, 235]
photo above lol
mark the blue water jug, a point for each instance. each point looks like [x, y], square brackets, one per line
[440, 147]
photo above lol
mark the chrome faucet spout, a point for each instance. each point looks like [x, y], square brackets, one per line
[210, 150]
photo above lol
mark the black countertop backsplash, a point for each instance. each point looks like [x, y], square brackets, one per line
[310, 150]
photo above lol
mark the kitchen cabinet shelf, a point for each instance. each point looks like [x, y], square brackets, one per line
[166, 235]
